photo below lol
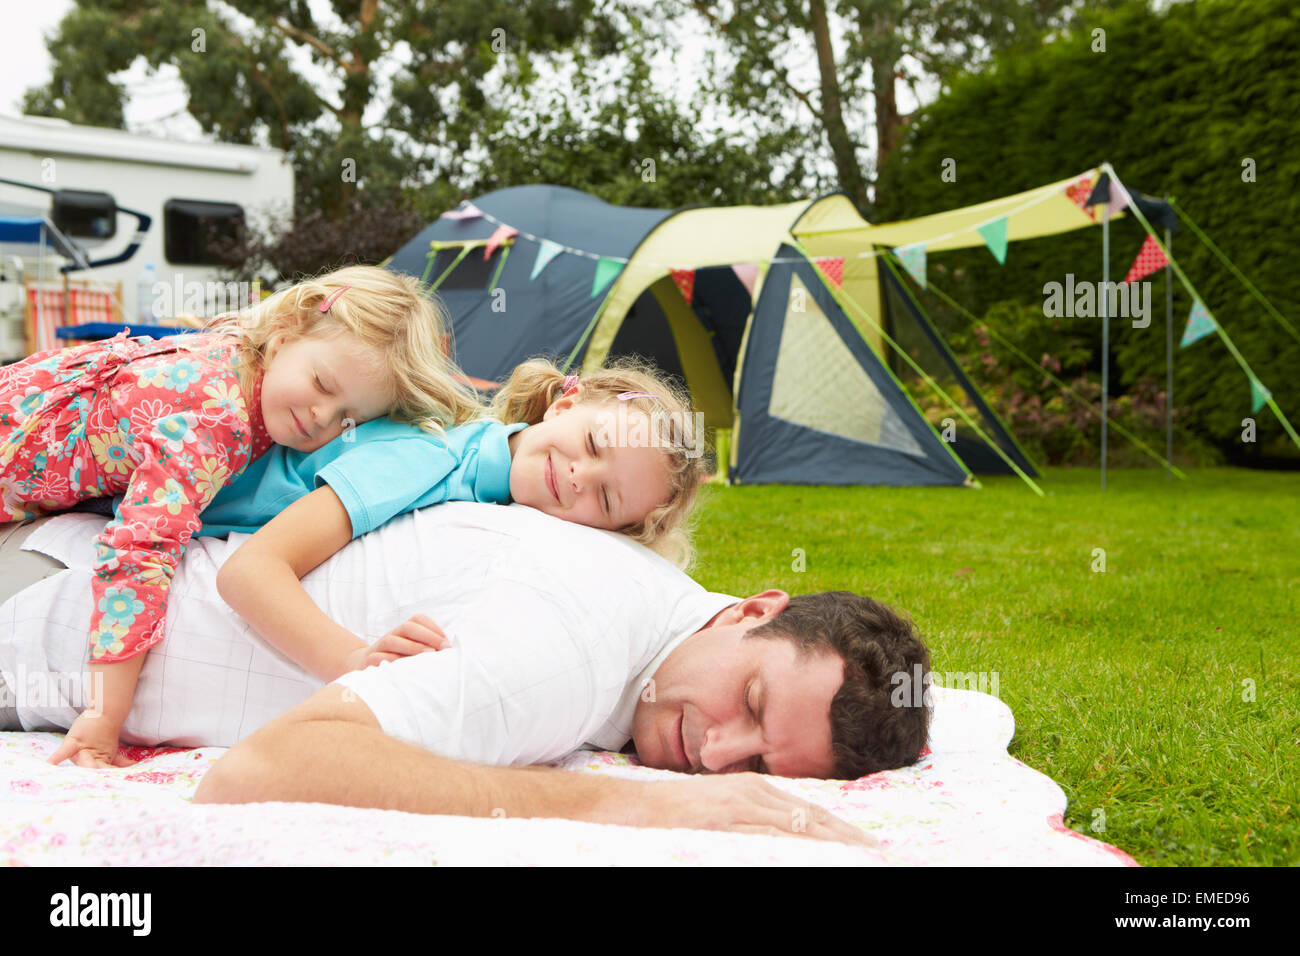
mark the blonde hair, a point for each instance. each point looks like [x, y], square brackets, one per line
[405, 328]
[536, 384]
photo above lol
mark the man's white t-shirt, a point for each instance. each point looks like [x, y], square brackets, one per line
[555, 630]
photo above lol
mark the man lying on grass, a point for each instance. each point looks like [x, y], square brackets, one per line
[561, 636]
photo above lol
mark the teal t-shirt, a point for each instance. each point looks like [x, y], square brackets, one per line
[379, 470]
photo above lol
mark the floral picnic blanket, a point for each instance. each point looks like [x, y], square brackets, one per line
[966, 802]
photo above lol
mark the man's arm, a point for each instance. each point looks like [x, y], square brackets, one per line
[330, 749]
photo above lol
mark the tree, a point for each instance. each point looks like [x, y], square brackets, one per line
[422, 104]
[883, 42]
[626, 139]
[406, 82]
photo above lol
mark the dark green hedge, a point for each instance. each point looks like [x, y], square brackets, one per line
[1176, 102]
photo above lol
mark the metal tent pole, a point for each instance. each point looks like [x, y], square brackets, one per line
[1169, 358]
[1105, 333]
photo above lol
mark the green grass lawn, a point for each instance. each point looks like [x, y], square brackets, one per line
[1131, 688]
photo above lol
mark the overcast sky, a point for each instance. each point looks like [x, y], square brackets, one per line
[22, 47]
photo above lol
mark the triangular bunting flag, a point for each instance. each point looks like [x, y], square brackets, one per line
[467, 211]
[1110, 191]
[1199, 324]
[1078, 191]
[747, 273]
[1258, 394]
[1100, 191]
[545, 253]
[913, 260]
[1119, 198]
[685, 279]
[606, 270]
[995, 237]
[503, 233]
[833, 269]
[1149, 258]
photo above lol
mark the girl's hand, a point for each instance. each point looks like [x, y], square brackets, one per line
[91, 742]
[415, 635]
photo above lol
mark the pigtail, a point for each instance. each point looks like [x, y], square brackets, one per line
[528, 393]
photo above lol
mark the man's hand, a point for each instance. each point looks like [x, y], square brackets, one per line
[736, 802]
[91, 742]
[413, 636]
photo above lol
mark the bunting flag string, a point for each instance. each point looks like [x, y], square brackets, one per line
[913, 260]
[1259, 395]
[468, 211]
[606, 270]
[995, 237]
[993, 233]
[1199, 324]
[746, 272]
[833, 269]
[502, 234]
[546, 251]
[685, 279]
[1150, 258]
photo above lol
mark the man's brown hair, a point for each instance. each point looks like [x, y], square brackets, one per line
[878, 719]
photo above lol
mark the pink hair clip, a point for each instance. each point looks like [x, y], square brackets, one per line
[628, 396]
[332, 298]
[570, 383]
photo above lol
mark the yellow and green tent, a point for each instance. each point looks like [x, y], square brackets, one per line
[777, 318]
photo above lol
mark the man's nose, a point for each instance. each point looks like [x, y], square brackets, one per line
[725, 752]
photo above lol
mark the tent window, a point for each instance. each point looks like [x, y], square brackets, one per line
[474, 272]
[191, 225]
[84, 215]
[819, 383]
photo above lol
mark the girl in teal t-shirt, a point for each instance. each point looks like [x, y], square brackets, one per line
[619, 449]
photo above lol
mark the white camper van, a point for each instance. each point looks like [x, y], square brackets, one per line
[89, 183]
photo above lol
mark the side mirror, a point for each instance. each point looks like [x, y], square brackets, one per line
[83, 214]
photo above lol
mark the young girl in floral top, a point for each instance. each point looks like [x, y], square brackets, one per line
[166, 423]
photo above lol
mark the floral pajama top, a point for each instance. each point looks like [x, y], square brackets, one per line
[166, 426]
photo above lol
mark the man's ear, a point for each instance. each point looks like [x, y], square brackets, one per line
[758, 609]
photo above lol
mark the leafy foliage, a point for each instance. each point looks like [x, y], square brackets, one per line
[1053, 426]
[623, 138]
[401, 78]
[862, 50]
[1178, 100]
[311, 241]
[425, 103]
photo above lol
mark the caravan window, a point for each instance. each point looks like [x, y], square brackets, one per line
[474, 272]
[82, 214]
[190, 225]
